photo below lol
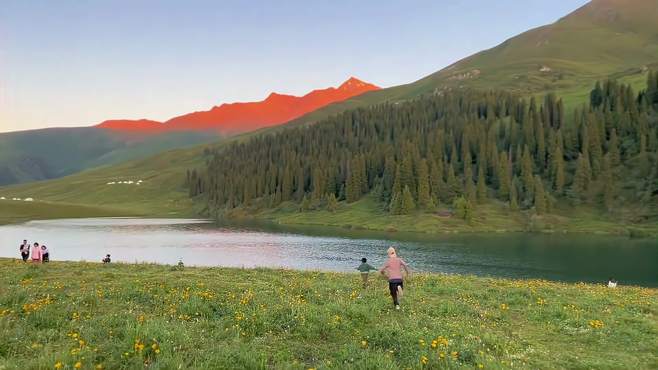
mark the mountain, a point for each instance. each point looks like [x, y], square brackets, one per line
[55, 152]
[242, 117]
[603, 39]
[132, 125]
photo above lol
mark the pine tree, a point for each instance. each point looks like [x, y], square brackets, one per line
[582, 177]
[513, 196]
[454, 189]
[469, 187]
[332, 202]
[559, 171]
[504, 177]
[609, 186]
[395, 206]
[540, 197]
[481, 185]
[305, 205]
[526, 174]
[424, 198]
[319, 183]
[407, 205]
[613, 149]
[463, 208]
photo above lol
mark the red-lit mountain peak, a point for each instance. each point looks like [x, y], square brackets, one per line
[242, 117]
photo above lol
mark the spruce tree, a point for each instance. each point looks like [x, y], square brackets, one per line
[613, 149]
[504, 177]
[454, 189]
[481, 185]
[424, 197]
[526, 174]
[559, 171]
[609, 186]
[469, 187]
[332, 202]
[582, 177]
[407, 203]
[540, 197]
[513, 195]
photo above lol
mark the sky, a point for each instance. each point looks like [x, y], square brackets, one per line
[77, 63]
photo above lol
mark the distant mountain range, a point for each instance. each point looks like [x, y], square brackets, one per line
[51, 153]
[231, 118]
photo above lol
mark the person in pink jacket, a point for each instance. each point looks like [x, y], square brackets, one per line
[36, 253]
[393, 270]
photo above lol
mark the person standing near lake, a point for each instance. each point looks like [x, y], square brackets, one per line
[365, 269]
[392, 269]
[36, 253]
[25, 250]
[45, 254]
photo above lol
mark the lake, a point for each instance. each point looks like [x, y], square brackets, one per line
[591, 258]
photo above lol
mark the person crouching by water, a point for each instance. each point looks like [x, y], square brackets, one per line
[45, 254]
[365, 269]
[107, 259]
[393, 270]
[25, 250]
[36, 253]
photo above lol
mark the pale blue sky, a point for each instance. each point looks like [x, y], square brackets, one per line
[76, 63]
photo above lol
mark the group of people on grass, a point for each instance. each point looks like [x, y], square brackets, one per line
[34, 252]
[395, 269]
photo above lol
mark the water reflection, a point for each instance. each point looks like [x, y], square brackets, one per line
[198, 242]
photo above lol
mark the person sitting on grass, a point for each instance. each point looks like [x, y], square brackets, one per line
[45, 254]
[25, 250]
[107, 259]
[365, 269]
[36, 253]
[393, 270]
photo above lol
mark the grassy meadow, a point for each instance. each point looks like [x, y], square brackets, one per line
[20, 211]
[68, 315]
[491, 217]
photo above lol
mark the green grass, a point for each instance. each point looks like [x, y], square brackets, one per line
[124, 316]
[493, 216]
[19, 211]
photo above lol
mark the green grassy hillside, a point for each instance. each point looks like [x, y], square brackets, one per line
[615, 39]
[67, 315]
[51, 153]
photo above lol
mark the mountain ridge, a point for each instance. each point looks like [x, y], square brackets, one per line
[237, 117]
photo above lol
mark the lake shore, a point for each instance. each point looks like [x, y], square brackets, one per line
[126, 315]
[360, 216]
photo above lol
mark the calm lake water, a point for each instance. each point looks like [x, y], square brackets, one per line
[198, 242]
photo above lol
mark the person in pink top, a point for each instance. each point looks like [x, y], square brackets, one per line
[36, 253]
[392, 269]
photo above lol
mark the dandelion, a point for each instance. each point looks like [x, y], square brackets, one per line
[541, 301]
[504, 306]
[59, 365]
[78, 365]
[364, 344]
[99, 367]
[424, 360]
[596, 324]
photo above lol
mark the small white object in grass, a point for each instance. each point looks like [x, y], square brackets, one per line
[15, 198]
[28, 199]
[2, 198]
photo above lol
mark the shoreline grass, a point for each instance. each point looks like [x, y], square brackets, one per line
[130, 316]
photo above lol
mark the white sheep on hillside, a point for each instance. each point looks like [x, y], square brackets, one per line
[28, 199]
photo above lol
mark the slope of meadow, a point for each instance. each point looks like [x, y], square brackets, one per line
[69, 315]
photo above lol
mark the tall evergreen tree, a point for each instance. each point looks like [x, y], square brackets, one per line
[540, 197]
[424, 198]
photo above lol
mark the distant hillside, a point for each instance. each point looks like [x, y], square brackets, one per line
[604, 39]
[242, 117]
[51, 153]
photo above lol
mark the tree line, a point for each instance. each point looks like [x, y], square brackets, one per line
[457, 148]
